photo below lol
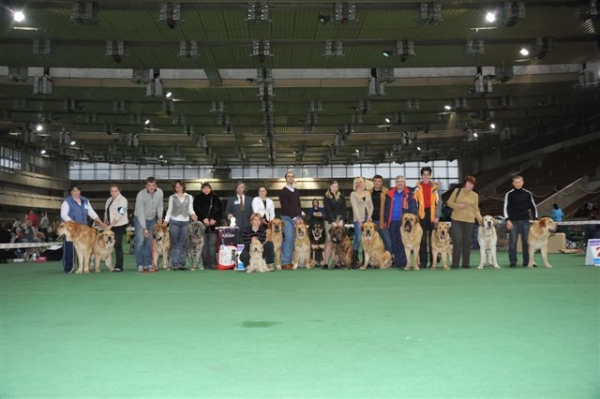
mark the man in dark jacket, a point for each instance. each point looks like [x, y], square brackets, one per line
[209, 209]
[519, 208]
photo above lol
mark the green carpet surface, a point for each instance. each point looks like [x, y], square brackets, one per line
[510, 333]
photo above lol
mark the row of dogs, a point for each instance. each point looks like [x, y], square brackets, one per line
[309, 244]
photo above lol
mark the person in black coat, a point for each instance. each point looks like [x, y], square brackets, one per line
[209, 210]
[240, 207]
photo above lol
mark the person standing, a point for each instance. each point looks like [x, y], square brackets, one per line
[75, 208]
[263, 205]
[378, 194]
[519, 208]
[239, 207]
[179, 212]
[257, 229]
[148, 212]
[398, 201]
[44, 223]
[35, 220]
[362, 211]
[428, 199]
[464, 203]
[557, 213]
[291, 213]
[209, 210]
[116, 219]
[335, 213]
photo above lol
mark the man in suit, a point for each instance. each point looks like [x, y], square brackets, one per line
[240, 207]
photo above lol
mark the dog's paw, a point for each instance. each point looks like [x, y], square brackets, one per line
[496, 267]
[549, 266]
[78, 272]
[480, 267]
[407, 268]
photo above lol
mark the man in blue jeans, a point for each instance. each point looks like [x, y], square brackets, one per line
[148, 212]
[291, 213]
[519, 208]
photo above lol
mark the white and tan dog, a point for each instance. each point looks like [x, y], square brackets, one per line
[83, 238]
[411, 233]
[257, 262]
[373, 249]
[275, 235]
[161, 246]
[539, 232]
[440, 245]
[487, 239]
[302, 247]
[103, 250]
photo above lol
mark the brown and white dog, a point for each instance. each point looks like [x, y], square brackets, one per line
[487, 239]
[83, 238]
[411, 233]
[257, 262]
[103, 249]
[539, 232]
[275, 235]
[161, 246]
[316, 233]
[373, 250]
[195, 243]
[341, 246]
[440, 245]
[301, 247]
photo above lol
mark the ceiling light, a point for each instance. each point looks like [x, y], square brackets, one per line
[73, 142]
[168, 95]
[475, 134]
[18, 16]
[357, 150]
[387, 120]
[324, 19]
[161, 156]
[418, 148]
[447, 107]
[147, 122]
[387, 53]
[43, 152]
[492, 125]
[490, 17]
[524, 52]
[39, 127]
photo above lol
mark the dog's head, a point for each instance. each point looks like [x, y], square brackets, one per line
[489, 222]
[547, 225]
[442, 229]
[108, 238]
[159, 232]
[196, 230]
[301, 231]
[409, 221]
[316, 230]
[276, 225]
[337, 234]
[256, 247]
[66, 230]
[368, 230]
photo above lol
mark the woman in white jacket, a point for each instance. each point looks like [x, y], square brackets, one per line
[115, 217]
[263, 205]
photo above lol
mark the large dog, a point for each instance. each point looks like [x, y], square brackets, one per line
[440, 245]
[316, 233]
[373, 250]
[539, 232]
[257, 262]
[162, 244]
[411, 233]
[487, 239]
[301, 247]
[103, 249]
[83, 238]
[195, 243]
[275, 235]
[342, 248]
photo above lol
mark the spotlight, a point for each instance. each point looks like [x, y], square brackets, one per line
[161, 156]
[418, 148]
[475, 134]
[324, 19]
[43, 152]
[147, 122]
[387, 53]
[73, 142]
[39, 127]
[18, 16]
[490, 17]
[447, 107]
[492, 125]
[168, 95]
[524, 52]
[387, 120]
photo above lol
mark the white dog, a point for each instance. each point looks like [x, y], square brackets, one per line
[257, 262]
[487, 239]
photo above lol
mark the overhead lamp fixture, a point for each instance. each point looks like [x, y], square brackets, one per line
[514, 11]
[115, 49]
[334, 49]
[39, 127]
[344, 12]
[170, 13]
[160, 156]
[323, 19]
[73, 142]
[43, 152]
[147, 122]
[18, 16]
[387, 120]
[524, 52]
[387, 53]
[188, 48]
[475, 47]
[168, 95]
[447, 107]
[490, 17]
[418, 148]
[258, 12]
[492, 125]
[475, 134]
[430, 13]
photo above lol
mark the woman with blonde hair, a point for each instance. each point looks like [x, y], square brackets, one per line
[362, 211]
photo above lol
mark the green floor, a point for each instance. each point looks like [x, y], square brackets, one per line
[512, 333]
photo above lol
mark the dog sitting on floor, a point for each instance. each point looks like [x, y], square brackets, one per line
[341, 246]
[317, 243]
[257, 262]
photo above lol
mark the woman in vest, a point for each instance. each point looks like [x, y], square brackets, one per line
[115, 217]
[181, 208]
[76, 208]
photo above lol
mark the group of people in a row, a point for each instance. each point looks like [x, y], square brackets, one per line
[378, 204]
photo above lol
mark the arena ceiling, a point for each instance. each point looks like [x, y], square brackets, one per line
[234, 83]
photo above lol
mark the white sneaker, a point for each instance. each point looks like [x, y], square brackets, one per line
[140, 269]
